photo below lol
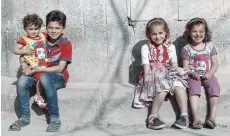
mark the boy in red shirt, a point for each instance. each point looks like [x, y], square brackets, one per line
[59, 56]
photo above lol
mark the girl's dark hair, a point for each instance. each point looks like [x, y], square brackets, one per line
[56, 15]
[157, 21]
[32, 19]
[197, 21]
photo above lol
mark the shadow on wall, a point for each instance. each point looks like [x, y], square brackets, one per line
[135, 67]
[179, 43]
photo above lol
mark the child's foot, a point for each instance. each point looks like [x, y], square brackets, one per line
[197, 125]
[155, 123]
[210, 124]
[18, 124]
[54, 126]
[182, 122]
[40, 101]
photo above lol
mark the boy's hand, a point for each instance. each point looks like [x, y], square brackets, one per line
[28, 51]
[36, 69]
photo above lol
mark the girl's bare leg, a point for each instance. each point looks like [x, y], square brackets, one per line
[181, 98]
[157, 102]
[194, 102]
[212, 109]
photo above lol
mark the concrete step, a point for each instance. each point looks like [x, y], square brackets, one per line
[107, 104]
[38, 126]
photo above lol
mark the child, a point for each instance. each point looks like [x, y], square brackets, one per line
[160, 75]
[32, 47]
[200, 57]
[55, 76]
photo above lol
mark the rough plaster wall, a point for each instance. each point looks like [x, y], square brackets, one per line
[103, 38]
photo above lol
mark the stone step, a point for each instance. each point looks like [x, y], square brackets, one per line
[106, 104]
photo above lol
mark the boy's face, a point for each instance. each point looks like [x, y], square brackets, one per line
[197, 33]
[54, 30]
[32, 31]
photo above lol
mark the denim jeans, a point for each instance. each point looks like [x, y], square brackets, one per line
[50, 82]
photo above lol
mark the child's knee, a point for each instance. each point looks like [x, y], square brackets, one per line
[213, 92]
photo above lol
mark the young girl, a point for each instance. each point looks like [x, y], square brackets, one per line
[200, 57]
[160, 75]
[32, 47]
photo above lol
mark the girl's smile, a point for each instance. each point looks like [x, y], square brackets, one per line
[197, 34]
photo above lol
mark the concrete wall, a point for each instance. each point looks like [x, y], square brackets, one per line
[106, 44]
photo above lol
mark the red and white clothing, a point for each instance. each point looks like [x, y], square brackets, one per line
[150, 52]
[163, 77]
[60, 50]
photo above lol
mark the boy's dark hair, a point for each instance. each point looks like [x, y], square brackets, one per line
[32, 19]
[197, 21]
[157, 21]
[56, 15]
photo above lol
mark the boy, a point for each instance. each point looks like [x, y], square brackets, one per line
[59, 54]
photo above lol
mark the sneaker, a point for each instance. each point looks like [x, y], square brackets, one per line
[54, 126]
[18, 124]
[157, 124]
[182, 122]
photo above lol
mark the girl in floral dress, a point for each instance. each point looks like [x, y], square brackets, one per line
[160, 75]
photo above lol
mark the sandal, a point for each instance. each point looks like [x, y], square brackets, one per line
[210, 124]
[197, 125]
[18, 124]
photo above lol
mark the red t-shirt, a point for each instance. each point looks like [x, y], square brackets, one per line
[61, 51]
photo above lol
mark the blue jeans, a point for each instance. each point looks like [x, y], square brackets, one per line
[50, 82]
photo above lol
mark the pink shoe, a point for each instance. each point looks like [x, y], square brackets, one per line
[40, 101]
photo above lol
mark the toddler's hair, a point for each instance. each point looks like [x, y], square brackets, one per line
[197, 21]
[32, 19]
[56, 15]
[157, 21]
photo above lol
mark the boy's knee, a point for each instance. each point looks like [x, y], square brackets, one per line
[24, 81]
[46, 77]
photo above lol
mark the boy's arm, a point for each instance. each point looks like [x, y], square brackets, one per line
[25, 67]
[19, 51]
[59, 68]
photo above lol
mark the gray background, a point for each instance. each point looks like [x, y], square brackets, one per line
[106, 44]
